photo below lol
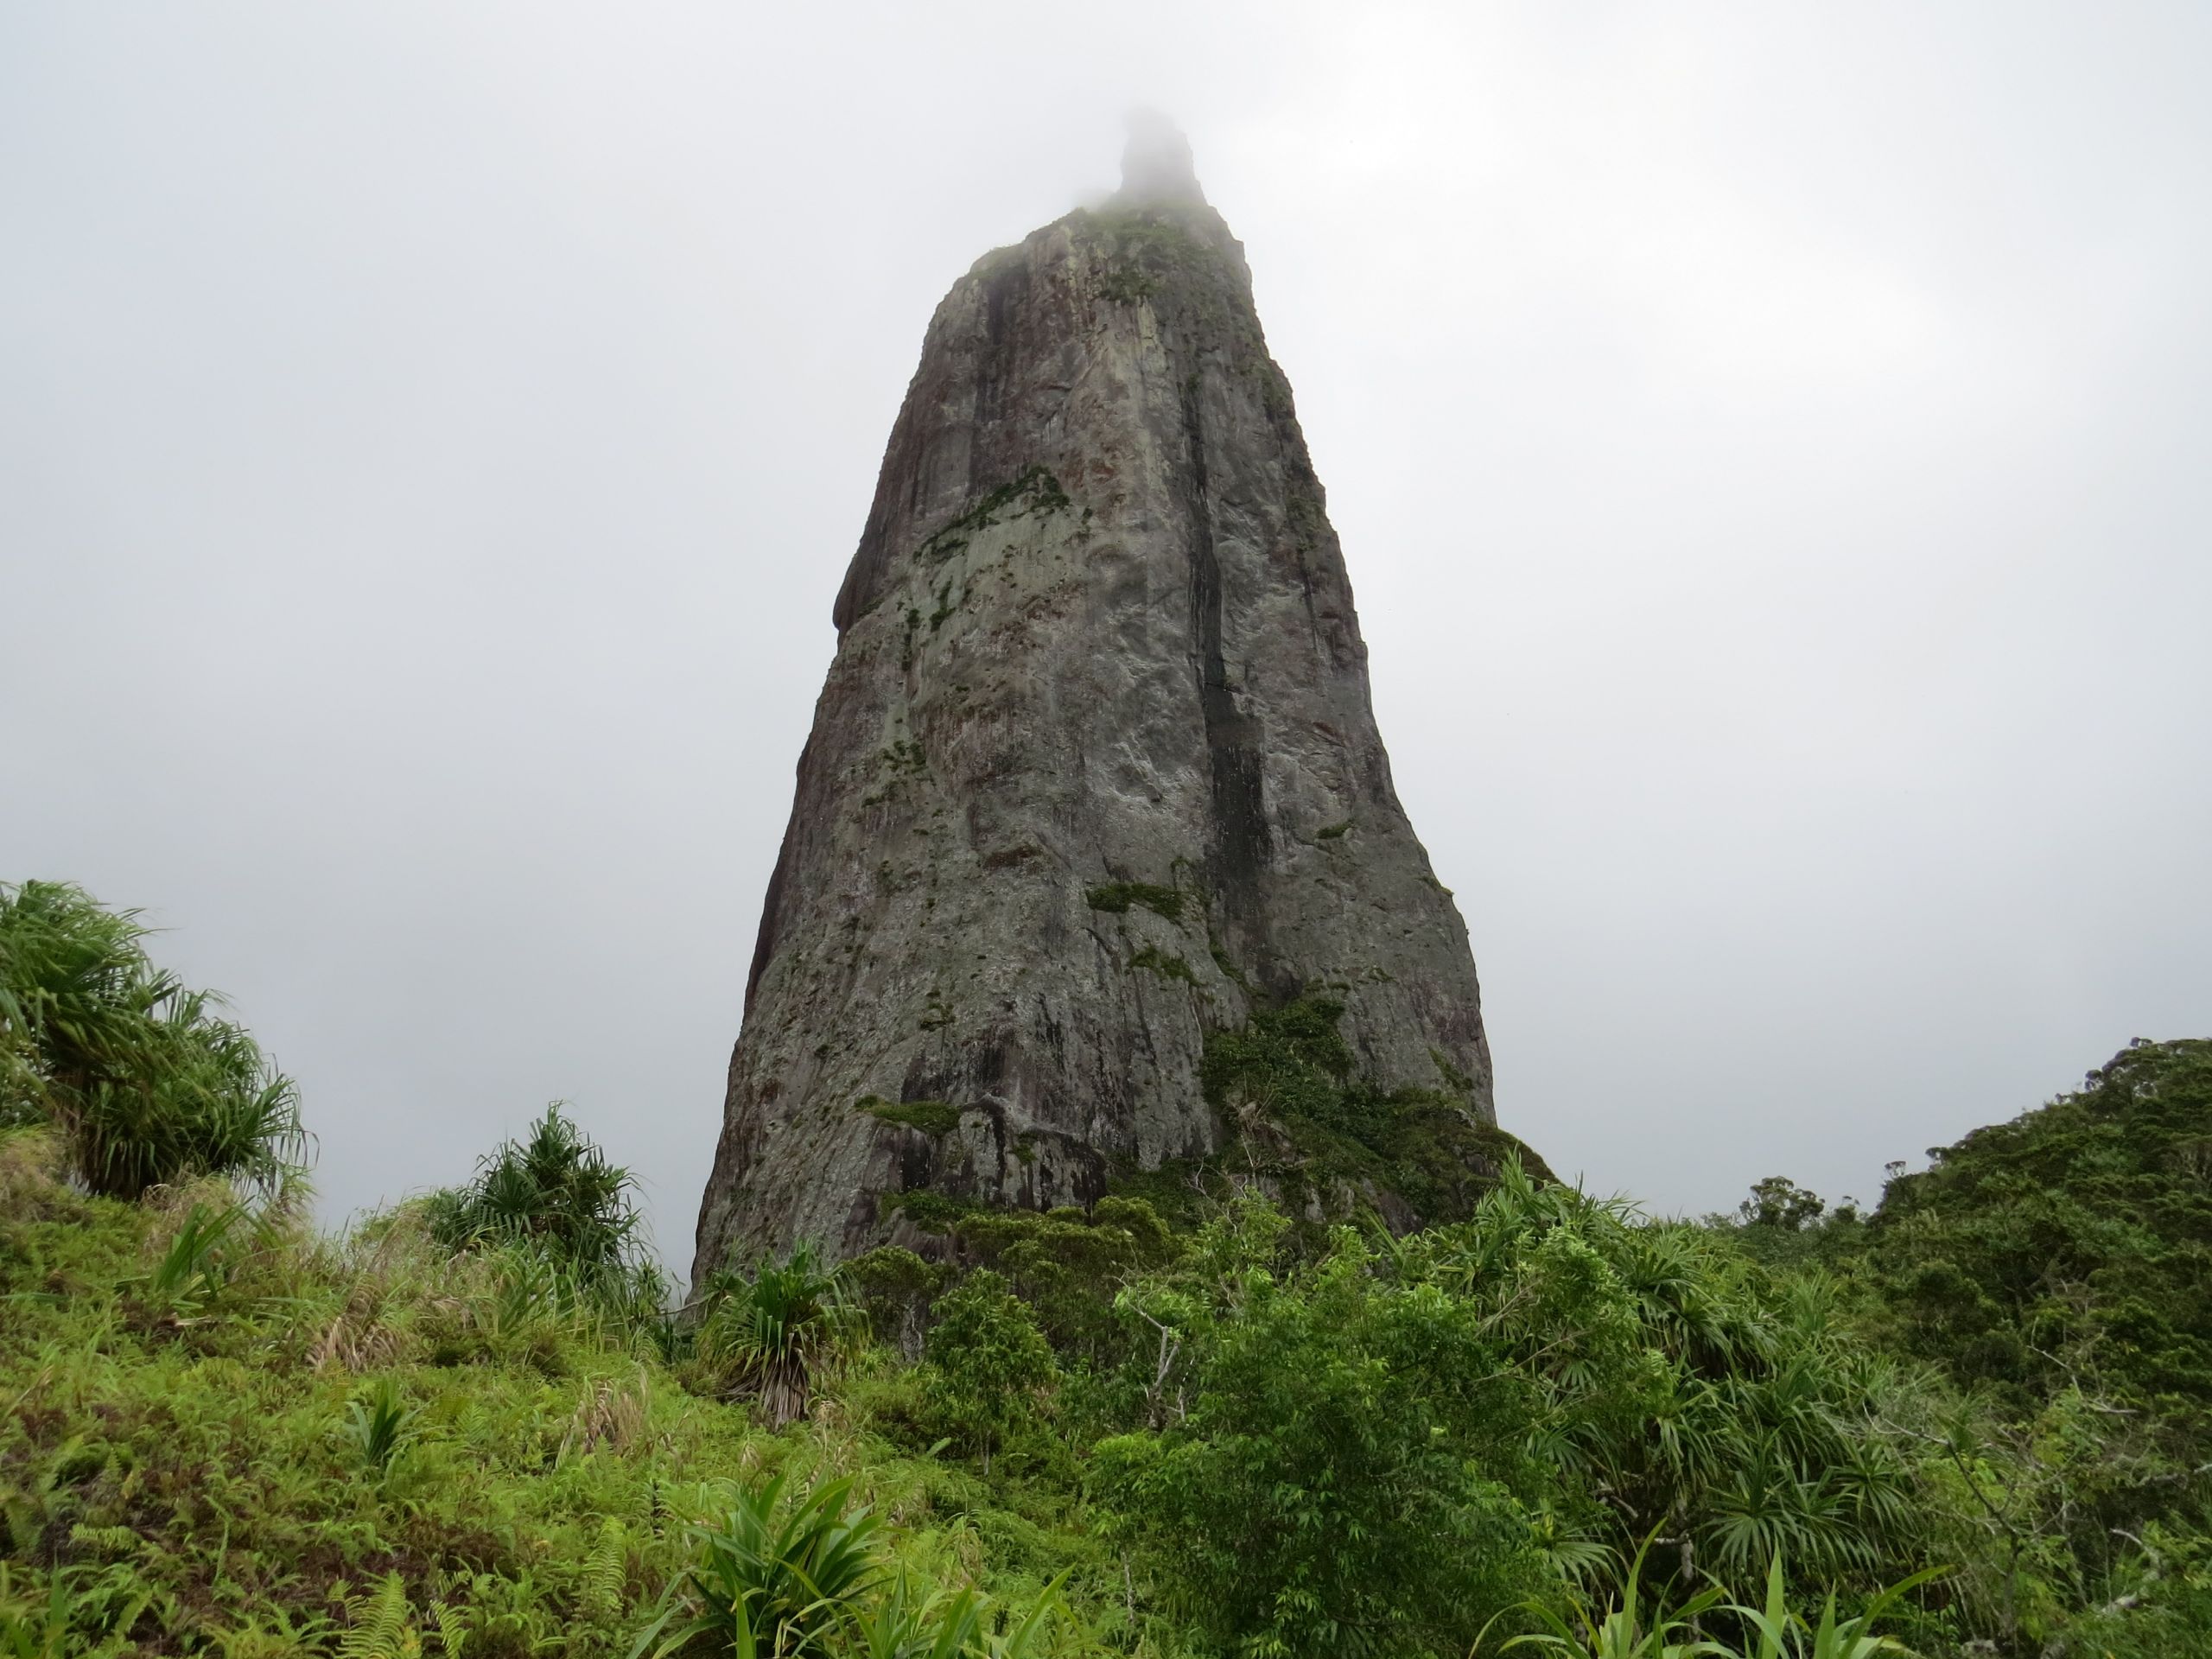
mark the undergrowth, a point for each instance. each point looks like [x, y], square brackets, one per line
[352, 1445]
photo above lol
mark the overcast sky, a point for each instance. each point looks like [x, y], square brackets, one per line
[1770, 445]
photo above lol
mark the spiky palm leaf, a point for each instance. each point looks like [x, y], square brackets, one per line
[769, 1332]
[145, 1083]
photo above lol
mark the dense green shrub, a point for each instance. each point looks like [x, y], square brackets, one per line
[988, 1363]
[553, 1189]
[1317, 1496]
[1380, 1450]
[146, 1084]
[764, 1335]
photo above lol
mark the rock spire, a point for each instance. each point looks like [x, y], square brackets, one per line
[1094, 864]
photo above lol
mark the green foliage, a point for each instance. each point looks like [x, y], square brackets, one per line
[195, 1266]
[36, 1627]
[908, 1623]
[1065, 1264]
[1126, 285]
[197, 1484]
[2072, 1243]
[1777, 1632]
[1167, 966]
[1116, 898]
[893, 1288]
[1290, 1061]
[554, 1189]
[1623, 1629]
[1033, 493]
[1779, 1203]
[931, 1117]
[2053, 1267]
[1290, 1066]
[772, 1575]
[1317, 1496]
[379, 1425]
[146, 1084]
[1383, 1448]
[988, 1363]
[767, 1333]
[1552, 1424]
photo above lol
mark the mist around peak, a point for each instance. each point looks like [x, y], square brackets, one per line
[1157, 167]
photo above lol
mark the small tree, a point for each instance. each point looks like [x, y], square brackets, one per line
[987, 1361]
[1779, 1202]
[554, 1189]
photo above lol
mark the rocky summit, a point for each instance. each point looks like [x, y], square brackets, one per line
[1095, 877]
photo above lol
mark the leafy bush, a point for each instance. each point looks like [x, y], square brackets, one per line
[987, 1361]
[147, 1086]
[1379, 1450]
[1317, 1496]
[555, 1190]
[772, 1575]
[763, 1335]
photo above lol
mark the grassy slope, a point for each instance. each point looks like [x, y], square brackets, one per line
[195, 1462]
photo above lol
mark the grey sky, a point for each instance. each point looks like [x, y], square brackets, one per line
[1768, 444]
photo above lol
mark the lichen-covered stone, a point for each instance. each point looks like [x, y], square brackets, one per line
[1094, 777]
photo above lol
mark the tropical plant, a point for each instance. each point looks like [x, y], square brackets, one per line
[193, 1269]
[770, 1574]
[32, 1627]
[987, 1361]
[1782, 1634]
[379, 1424]
[553, 1189]
[146, 1084]
[767, 1333]
[906, 1623]
[1622, 1629]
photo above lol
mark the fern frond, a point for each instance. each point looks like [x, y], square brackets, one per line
[452, 1628]
[379, 1623]
[606, 1572]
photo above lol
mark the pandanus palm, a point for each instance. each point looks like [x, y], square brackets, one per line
[770, 1331]
[146, 1084]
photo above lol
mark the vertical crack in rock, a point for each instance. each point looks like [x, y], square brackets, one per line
[1093, 784]
[1238, 852]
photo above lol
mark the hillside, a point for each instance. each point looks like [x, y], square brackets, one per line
[1181, 1423]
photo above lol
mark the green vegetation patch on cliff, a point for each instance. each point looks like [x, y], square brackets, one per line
[1167, 966]
[1164, 255]
[1117, 897]
[1292, 1064]
[1033, 493]
[931, 1117]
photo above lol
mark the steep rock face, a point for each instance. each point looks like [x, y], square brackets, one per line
[1094, 779]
